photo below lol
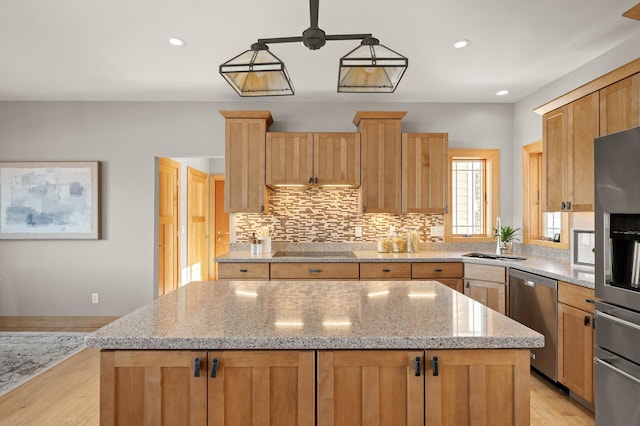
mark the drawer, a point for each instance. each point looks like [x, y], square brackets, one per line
[576, 296]
[385, 271]
[243, 271]
[430, 270]
[496, 274]
[315, 271]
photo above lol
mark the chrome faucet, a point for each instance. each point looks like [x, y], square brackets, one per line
[498, 246]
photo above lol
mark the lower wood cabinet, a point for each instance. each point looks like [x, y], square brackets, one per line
[477, 387]
[487, 285]
[370, 388]
[325, 387]
[576, 339]
[315, 271]
[261, 388]
[153, 387]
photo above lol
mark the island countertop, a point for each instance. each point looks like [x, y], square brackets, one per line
[314, 315]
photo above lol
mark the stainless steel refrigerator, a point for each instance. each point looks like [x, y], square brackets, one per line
[617, 223]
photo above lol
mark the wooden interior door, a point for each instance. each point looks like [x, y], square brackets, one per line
[153, 388]
[219, 223]
[262, 388]
[197, 236]
[370, 388]
[168, 223]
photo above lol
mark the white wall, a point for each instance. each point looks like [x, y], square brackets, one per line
[58, 277]
[527, 125]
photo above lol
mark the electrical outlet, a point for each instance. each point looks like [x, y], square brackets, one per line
[437, 231]
[95, 297]
[358, 231]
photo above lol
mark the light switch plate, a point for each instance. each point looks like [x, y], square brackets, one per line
[437, 231]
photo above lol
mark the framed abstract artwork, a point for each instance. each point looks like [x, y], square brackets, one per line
[49, 200]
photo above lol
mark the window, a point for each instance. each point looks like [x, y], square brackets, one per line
[474, 183]
[539, 228]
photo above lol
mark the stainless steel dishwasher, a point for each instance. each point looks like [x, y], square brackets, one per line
[533, 301]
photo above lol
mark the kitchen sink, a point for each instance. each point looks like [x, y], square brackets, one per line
[316, 254]
[495, 256]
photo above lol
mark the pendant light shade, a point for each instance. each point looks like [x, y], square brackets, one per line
[371, 68]
[257, 72]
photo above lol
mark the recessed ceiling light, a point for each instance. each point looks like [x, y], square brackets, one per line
[175, 41]
[502, 92]
[461, 43]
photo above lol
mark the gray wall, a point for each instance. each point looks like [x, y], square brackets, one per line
[58, 277]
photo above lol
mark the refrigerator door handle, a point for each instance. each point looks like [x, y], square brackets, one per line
[617, 320]
[603, 363]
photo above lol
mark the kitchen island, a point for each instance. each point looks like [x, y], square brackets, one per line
[311, 352]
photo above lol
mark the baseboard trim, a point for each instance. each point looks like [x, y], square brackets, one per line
[30, 322]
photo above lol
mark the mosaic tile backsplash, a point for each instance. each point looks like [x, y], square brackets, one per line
[328, 215]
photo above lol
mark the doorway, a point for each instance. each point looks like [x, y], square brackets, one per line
[168, 225]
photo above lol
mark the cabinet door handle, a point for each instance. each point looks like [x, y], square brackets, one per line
[386, 270]
[196, 367]
[214, 367]
[587, 320]
[314, 270]
[310, 180]
[364, 209]
[244, 270]
[563, 205]
[437, 270]
[262, 208]
[568, 205]
[434, 365]
[316, 180]
[416, 366]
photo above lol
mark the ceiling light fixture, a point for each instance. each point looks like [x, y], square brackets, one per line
[502, 92]
[175, 41]
[369, 68]
[461, 43]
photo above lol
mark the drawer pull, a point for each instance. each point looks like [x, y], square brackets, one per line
[590, 301]
[314, 270]
[214, 368]
[416, 366]
[437, 270]
[244, 270]
[386, 270]
[196, 367]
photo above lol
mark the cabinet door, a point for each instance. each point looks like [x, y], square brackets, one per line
[244, 189]
[153, 387]
[370, 388]
[575, 350]
[490, 294]
[336, 159]
[424, 172]
[261, 388]
[289, 159]
[483, 387]
[619, 109]
[582, 130]
[381, 165]
[453, 283]
[554, 159]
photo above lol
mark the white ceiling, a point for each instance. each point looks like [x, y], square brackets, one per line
[118, 50]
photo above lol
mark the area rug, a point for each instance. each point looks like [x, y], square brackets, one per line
[24, 355]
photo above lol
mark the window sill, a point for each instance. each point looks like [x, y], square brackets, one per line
[545, 243]
[456, 239]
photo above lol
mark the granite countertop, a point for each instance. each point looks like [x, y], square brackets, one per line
[313, 315]
[537, 265]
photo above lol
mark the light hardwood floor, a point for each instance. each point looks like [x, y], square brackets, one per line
[68, 394]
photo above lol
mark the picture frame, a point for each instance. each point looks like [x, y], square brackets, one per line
[49, 200]
[583, 248]
[556, 238]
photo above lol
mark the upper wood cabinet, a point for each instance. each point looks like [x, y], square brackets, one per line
[567, 161]
[245, 137]
[289, 159]
[619, 109]
[381, 133]
[313, 159]
[424, 172]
